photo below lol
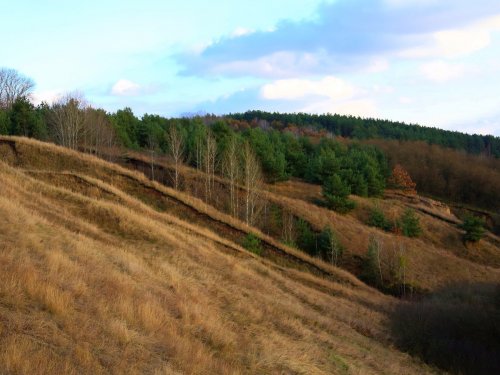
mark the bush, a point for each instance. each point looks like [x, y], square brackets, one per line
[372, 268]
[474, 228]
[252, 243]
[410, 224]
[336, 194]
[378, 219]
[456, 329]
[306, 240]
[329, 246]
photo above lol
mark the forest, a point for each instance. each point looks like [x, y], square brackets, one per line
[369, 128]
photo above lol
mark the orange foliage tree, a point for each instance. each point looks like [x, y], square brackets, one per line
[401, 180]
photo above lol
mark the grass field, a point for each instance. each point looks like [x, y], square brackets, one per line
[101, 274]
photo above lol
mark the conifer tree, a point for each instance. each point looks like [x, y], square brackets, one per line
[336, 194]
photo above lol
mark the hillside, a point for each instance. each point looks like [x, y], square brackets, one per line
[435, 259]
[103, 282]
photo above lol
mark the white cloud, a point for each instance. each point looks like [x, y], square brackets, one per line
[48, 96]
[329, 94]
[125, 87]
[292, 89]
[454, 43]
[378, 65]
[240, 31]
[383, 89]
[405, 100]
[441, 71]
[278, 64]
[359, 107]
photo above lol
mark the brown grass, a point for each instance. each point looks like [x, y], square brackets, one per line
[435, 259]
[95, 281]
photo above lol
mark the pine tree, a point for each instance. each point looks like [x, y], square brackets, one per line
[410, 224]
[474, 228]
[336, 194]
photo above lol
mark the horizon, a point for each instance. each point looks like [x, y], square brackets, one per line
[431, 63]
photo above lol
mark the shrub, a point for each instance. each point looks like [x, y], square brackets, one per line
[252, 243]
[456, 329]
[306, 240]
[336, 194]
[410, 224]
[474, 228]
[372, 268]
[378, 219]
[329, 246]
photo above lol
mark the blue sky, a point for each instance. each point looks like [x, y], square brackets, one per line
[433, 62]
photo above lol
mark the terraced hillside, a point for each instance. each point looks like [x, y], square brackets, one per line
[435, 259]
[104, 271]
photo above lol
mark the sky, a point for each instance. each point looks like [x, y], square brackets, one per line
[431, 62]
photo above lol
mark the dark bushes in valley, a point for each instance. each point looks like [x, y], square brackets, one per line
[456, 328]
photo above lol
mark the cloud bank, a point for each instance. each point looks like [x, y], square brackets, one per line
[349, 35]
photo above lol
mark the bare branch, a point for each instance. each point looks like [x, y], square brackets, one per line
[13, 85]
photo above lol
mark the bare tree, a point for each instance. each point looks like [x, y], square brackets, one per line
[334, 247]
[209, 159]
[399, 266]
[13, 85]
[98, 132]
[375, 247]
[152, 141]
[175, 142]
[231, 170]
[67, 120]
[288, 222]
[252, 180]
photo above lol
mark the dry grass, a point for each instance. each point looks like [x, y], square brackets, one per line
[92, 280]
[437, 258]
[37, 156]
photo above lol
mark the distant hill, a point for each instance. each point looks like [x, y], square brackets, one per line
[369, 128]
[452, 166]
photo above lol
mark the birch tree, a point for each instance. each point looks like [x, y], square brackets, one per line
[209, 159]
[288, 222]
[98, 132]
[252, 180]
[231, 170]
[152, 143]
[175, 141]
[67, 120]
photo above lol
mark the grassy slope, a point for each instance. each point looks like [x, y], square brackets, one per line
[435, 259]
[438, 257]
[95, 280]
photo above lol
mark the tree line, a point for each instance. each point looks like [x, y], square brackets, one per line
[284, 145]
[370, 128]
[214, 145]
[453, 176]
